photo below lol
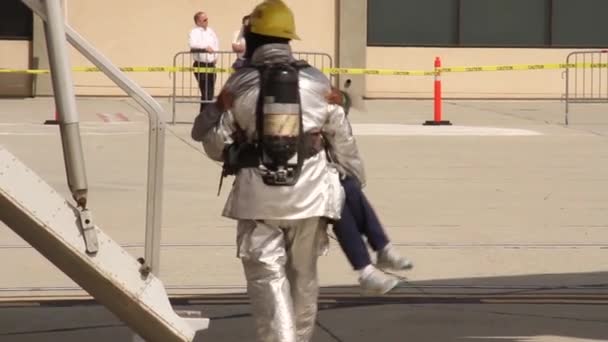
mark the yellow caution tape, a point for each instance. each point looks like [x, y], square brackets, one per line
[126, 69]
[519, 67]
[340, 71]
[379, 72]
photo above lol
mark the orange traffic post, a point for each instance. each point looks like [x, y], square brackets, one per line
[437, 98]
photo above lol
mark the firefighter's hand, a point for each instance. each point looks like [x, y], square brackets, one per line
[239, 136]
[334, 96]
[224, 101]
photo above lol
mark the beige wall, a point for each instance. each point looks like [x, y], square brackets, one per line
[144, 33]
[503, 84]
[15, 54]
[150, 32]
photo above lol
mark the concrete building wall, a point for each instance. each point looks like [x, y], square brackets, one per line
[149, 33]
[503, 84]
[15, 54]
[352, 43]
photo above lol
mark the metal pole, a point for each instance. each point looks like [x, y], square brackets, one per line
[174, 89]
[65, 101]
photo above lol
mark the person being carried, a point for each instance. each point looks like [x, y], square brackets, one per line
[239, 44]
[358, 219]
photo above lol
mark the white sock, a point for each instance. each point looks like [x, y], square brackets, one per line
[386, 248]
[365, 271]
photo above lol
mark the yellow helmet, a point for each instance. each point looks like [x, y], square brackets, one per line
[273, 18]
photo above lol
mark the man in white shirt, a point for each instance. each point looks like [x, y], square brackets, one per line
[203, 41]
[238, 44]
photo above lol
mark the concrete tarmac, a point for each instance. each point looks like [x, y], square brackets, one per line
[507, 199]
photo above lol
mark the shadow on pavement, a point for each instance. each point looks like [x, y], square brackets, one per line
[544, 307]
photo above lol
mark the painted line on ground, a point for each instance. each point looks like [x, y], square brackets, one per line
[419, 130]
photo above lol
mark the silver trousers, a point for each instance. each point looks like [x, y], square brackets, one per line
[280, 262]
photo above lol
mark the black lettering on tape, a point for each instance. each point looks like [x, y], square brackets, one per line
[536, 67]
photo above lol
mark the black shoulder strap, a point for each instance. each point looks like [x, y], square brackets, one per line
[300, 64]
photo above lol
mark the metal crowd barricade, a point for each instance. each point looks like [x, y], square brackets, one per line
[186, 87]
[586, 78]
[185, 84]
[318, 60]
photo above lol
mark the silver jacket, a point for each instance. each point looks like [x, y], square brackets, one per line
[318, 191]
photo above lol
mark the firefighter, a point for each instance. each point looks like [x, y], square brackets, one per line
[266, 127]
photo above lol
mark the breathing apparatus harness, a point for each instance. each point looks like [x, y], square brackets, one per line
[281, 146]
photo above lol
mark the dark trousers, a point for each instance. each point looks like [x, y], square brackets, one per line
[206, 83]
[358, 218]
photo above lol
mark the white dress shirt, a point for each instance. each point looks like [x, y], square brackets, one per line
[202, 38]
[238, 38]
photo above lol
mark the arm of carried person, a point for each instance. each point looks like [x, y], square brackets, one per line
[334, 97]
[237, 42]
[342, 146]
[238, 48]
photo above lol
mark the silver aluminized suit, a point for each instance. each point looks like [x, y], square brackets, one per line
[282, 229]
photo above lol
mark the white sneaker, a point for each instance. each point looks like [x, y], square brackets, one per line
[376, 282]
[389, 258]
